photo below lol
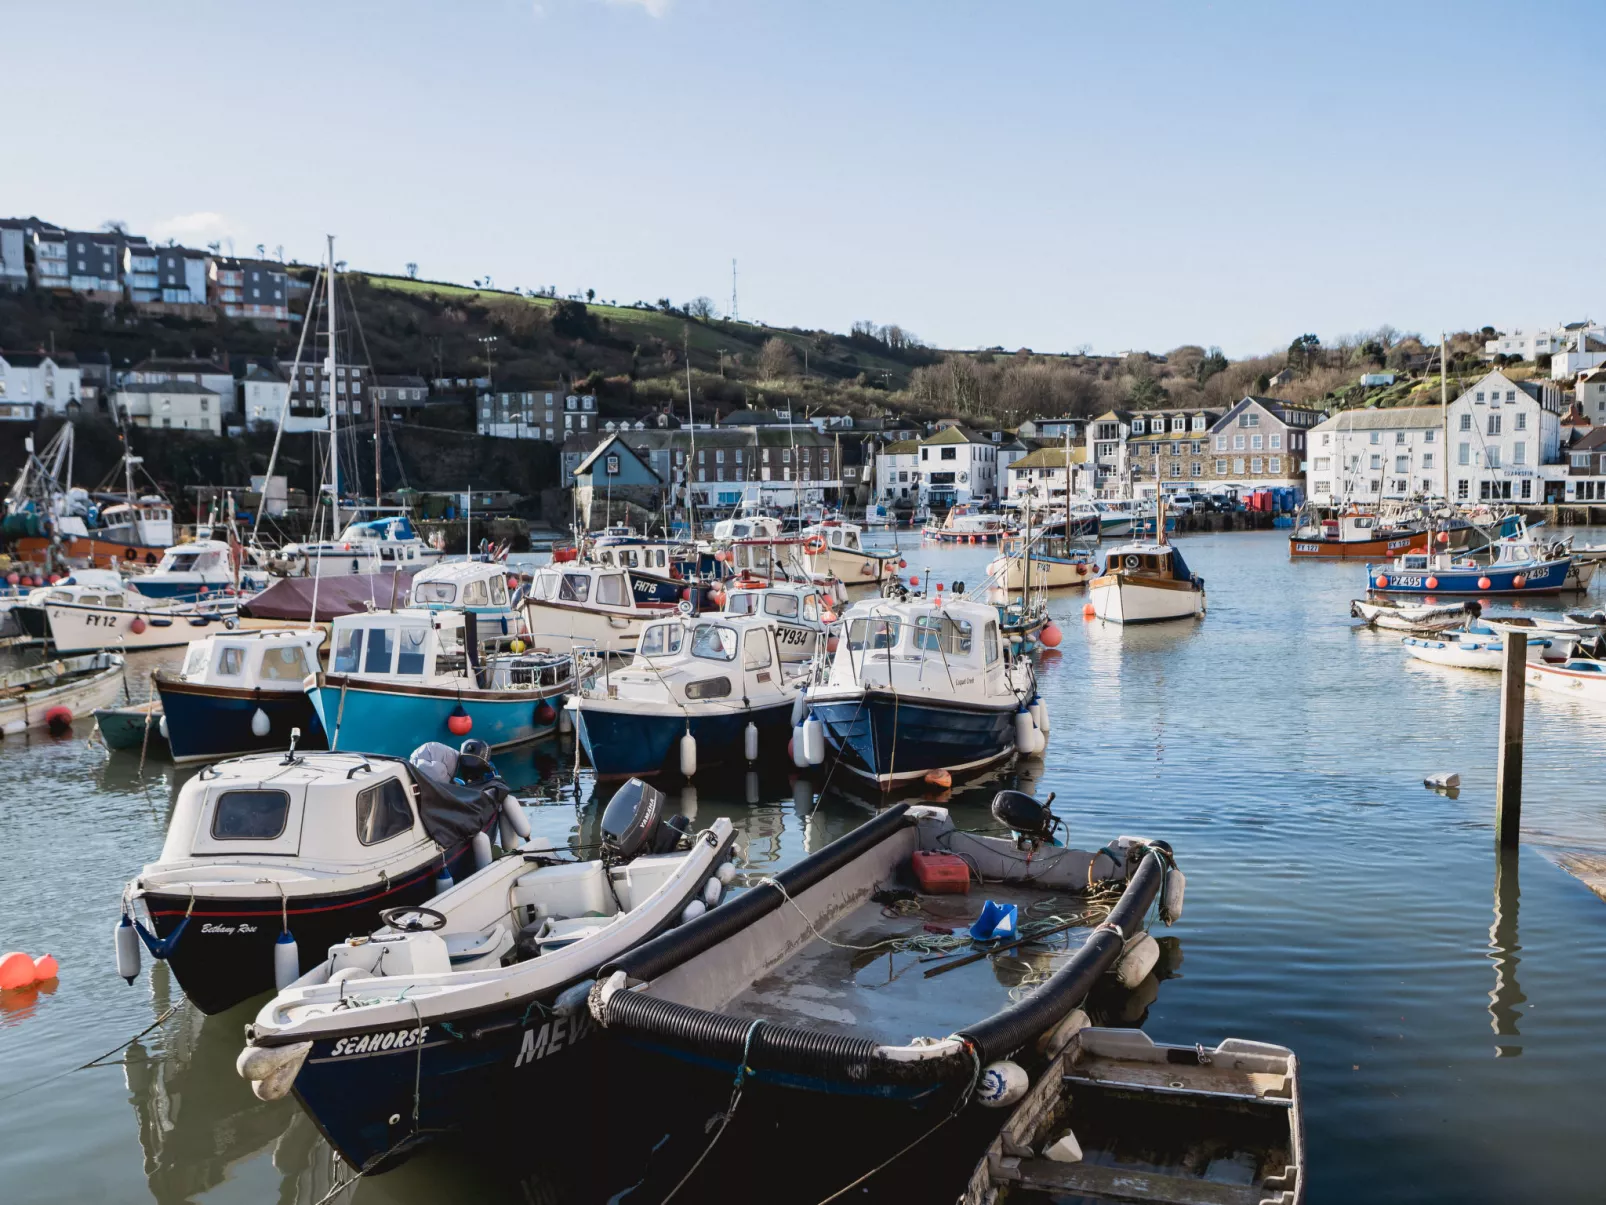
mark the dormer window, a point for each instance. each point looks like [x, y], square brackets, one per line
[1137, 426]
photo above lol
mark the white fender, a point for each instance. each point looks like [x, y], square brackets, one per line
[482, 850]
[688, 755]
[800, 707]
[814, 741]
[800, 757]
[286, 961]
[1025, 732]
[726, 873]
[692, 911]
[1171, 895]
[260, 724]
[127, 945]
[1136, 961]
[514, 811]
[712, 890]
[1001, 1084]
[750, 741]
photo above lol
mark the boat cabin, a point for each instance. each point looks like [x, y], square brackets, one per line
[477, 586]
[416, 647]
[748, 527]
[265, 659]
[198, 556]
[787, 602]
[147, 523]
[662, 557]
[843, 536]
[1147, 560]
[698, 660]
[333, 807]
[592, 586]
[936, 647]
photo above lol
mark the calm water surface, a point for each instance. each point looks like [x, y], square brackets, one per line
[1445, 1004]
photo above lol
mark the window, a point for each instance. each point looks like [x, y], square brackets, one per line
[1323, 463]
[1237, 443]
[1327, 438]
[1198, 422]
[784, 605]
[666, 638]
[873, 634]
[250, 815]
[1427, 437]
[1480, 395]
[1275, 464]
[474, 595]
[229, 661]
[286, 664]
[1255, 443]
[1519, 453]
[939, 633]
[1491, 457]
[381, 646]
[1464, 454]
[709, 688]
[1221, 443]
[383, 812]
[576, 588]
[410, 650]
[1427, 460]
[1377, 437]
[1494, 424]
[713, 642]
[1221, 468]
[1402, 464]
[1466, 422]
[1197, 469]
[1255, 464]
[1519, 422]
[1198, 447]
[1137, 426]
[1527, 487]
[947, 454]
[756, 649]
[719, 456]
[1276, 443]
[1237, 464]
[1377, 461]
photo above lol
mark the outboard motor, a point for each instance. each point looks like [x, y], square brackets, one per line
[1032, 822]
[634, 823]
[474, 762]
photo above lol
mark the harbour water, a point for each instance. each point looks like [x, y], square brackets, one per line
[1444, 1002]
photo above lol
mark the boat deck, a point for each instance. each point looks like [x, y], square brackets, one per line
[884, 994]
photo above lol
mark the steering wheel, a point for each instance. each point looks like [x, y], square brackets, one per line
[424, 920]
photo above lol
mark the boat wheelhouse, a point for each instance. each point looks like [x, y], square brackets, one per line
[920, 686]
[381, 545]
[241, 692]
[795, 610]
[836, 549]
[1056, 563]
[397, 679]
[478, 586]
[663, 558]
[297, 850]
[1146, 582]
[713, 678]
[1519, 565]
[965, 525]
[197, 570]
[580, 605]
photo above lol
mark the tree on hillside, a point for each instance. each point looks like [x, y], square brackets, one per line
[702, 309]
[572, 320]
[412, 271]
[1210, 366]
[1304, 352]
[591, 295]
[115, 226]
[776, 359]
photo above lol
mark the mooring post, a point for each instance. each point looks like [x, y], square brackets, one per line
[1508, 774]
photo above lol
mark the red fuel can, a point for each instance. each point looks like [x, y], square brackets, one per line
[939, 873]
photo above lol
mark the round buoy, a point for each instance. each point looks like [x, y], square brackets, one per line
[1089, 611]
[1051, 635]
[517, 646]
[546, 713]
[45, 968]
[16, 970]
[722, 556]
[54, 578]
[59, 719]
[1484, 583]
[828, 616]
[1382, 582]
[1519, 581]
[717, 597]
[830, 644]
[914, 582]
[902, 564]
[1444, 537]
[1001, 1084]
[1432, 583]
[260, 724]
[136, 625]
[459, 723]
[206, 590]
[512, 582]
[940, 779]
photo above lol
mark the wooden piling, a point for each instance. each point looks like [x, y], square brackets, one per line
[1508, 774]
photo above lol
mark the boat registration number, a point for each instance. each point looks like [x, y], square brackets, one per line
[1307, 547]
[1408, 580]
[563, 1030]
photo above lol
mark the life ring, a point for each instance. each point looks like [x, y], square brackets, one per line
[130, 555]
[150, 558]
[814, 544]
[1131, 561]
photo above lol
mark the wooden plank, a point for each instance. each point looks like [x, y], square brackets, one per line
[1144, 1188]
[1508, 769]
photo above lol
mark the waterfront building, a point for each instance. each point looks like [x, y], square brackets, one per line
[1376, 454]
[252, 290]
[1504, 435]
[263, 392]
[1586, 468]
[614, 473]
[182, 405]
[208, 374]
[1590, 395]
[1173, 443]
[897, 472]
[957, 466]
[14, 253]
[1049, 476]
[309, 394]
[34, 382]
[1259, 443]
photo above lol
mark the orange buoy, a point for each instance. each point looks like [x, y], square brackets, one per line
[830, 644]
[58, 719]
[1433, 583]
[940, 778]
[1444, 537]
[137, 625]
[1089, 611]
[459, 723]
[1484, 583]
[1382, 582]
[1051, 635]
[914, 582]
[45, 968]
[16, 970]
[717, 597]
[1519, 581]
[902, 564]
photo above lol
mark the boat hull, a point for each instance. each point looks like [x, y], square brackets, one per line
[100, 553]
[1479, 654]
[568, 628]
[81, 697]
[76, 629]
[1125, 600]
[624, 739]
[1587, 685]
[131, 728]
[225, 954]
[1546, 577]
[212, 722]
[387, 719]
[895, 738]
[1317, 548]
[1048, 573]
[852, 568]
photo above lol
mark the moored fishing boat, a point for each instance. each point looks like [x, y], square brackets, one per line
[1357, 533]
[431, 1025]
[966, 525]
[920, 686]
[791, 981]
[836, 549]
[718, 679]
[197, 570]
[578, 605]
[271, 859]
[1057, 563]
[1412, 617]
[93, 609]
[241, 692]
[1146, 583]
[482, 587]
[135, 726]
[795, 610]
[1520, 565]
[380, 545]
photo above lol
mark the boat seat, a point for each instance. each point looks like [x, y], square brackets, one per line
[468, 951]
[560, 931]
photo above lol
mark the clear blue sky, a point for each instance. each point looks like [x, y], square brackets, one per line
[1045, 175]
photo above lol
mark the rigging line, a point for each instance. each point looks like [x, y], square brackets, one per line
[98, 1060]
[284, 411]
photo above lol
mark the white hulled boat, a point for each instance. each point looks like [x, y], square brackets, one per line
[836, 549]
[1146, 583]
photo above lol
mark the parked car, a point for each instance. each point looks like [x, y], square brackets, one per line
[1183, 503]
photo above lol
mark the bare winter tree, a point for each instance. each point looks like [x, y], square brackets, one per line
[115, 226]
[702, 309]
[412, 271]
[776, 360]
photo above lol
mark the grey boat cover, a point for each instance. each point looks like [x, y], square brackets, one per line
[450, 811]
[290, 598]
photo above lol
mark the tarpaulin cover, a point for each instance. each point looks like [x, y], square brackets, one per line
[451, 812]
[290, 598]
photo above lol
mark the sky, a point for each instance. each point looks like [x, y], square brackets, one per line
[1044, 175]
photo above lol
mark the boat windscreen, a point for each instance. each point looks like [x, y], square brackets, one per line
[713, 642]
[874, 634]
[1179, 567]
[742, 602]
[940, 633]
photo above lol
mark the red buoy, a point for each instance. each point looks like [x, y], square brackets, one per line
[1519, 581]
[136, 625]
[16, 970]
[1484, 583]
[59, 719]
[546, 713]
[1382, 582]
[459, 723]
[1051, 635]
[914, 582]
[1433, 583]
[902, 564]
[1089, 611]
[1444, 537]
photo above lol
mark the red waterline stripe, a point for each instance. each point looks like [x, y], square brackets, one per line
[305, 911]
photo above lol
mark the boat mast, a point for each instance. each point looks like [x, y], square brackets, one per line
[691, 456]
[334, 458]
[1444, 411]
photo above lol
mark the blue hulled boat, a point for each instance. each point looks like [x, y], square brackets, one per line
[399, 678]
[713, 677]
[922, 686]
[1520, 565]
[241, 692]
[200, 569]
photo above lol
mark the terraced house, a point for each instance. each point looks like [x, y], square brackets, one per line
[1171, 446]
[1260, 443]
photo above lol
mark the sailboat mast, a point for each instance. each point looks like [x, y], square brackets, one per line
[1444, 411]
[691, 456]
[329, 372]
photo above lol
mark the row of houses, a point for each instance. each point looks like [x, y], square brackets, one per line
[1573, 348]
[113, 266]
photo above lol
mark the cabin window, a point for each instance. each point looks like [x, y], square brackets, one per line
[662, 639]
[250, 815]
[195, 660]
[611, 590]
[229, 660]
[410, 650]
[435, 592]
[476, 595]
[811, 607]
[285, 664]
[381, 644]
[939, 633]
[383, 812]
[348, 651]
[709, 688]
[183, 562]
[755, 649]
[114, 600]
[741, 603]
[873, 634]
[89, 600]
[60, 596]
[576, 588]
[784, 605]
[713, 642]
[990, 642]
[499, 591]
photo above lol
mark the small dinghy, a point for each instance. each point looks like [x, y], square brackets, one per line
[718, 681]
[1577, 677]
[51, 695]
[1413, 617]
[271, 859]
[1574, 626]
[793, 981]
[1480, 646]
[443, 1019]
[1120, 1117]
[137, 726]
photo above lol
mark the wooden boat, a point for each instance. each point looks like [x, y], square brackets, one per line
[1119, 1117]
[965, 525]
[1574, 625]
[1413, 617]
[1577, 677]
[1146, 583]
[1057, 564]
[53, 694]
[836, 549]
[432, 1024]
[95, 609]
[1357, 534]
[137, 726]
[309, 845]
[719, 679]
[241, 692]
[1480, 646]
[791, 980]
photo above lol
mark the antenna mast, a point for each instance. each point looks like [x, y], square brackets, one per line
[734, 312]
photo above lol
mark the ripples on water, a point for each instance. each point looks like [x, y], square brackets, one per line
[1444, 1003]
